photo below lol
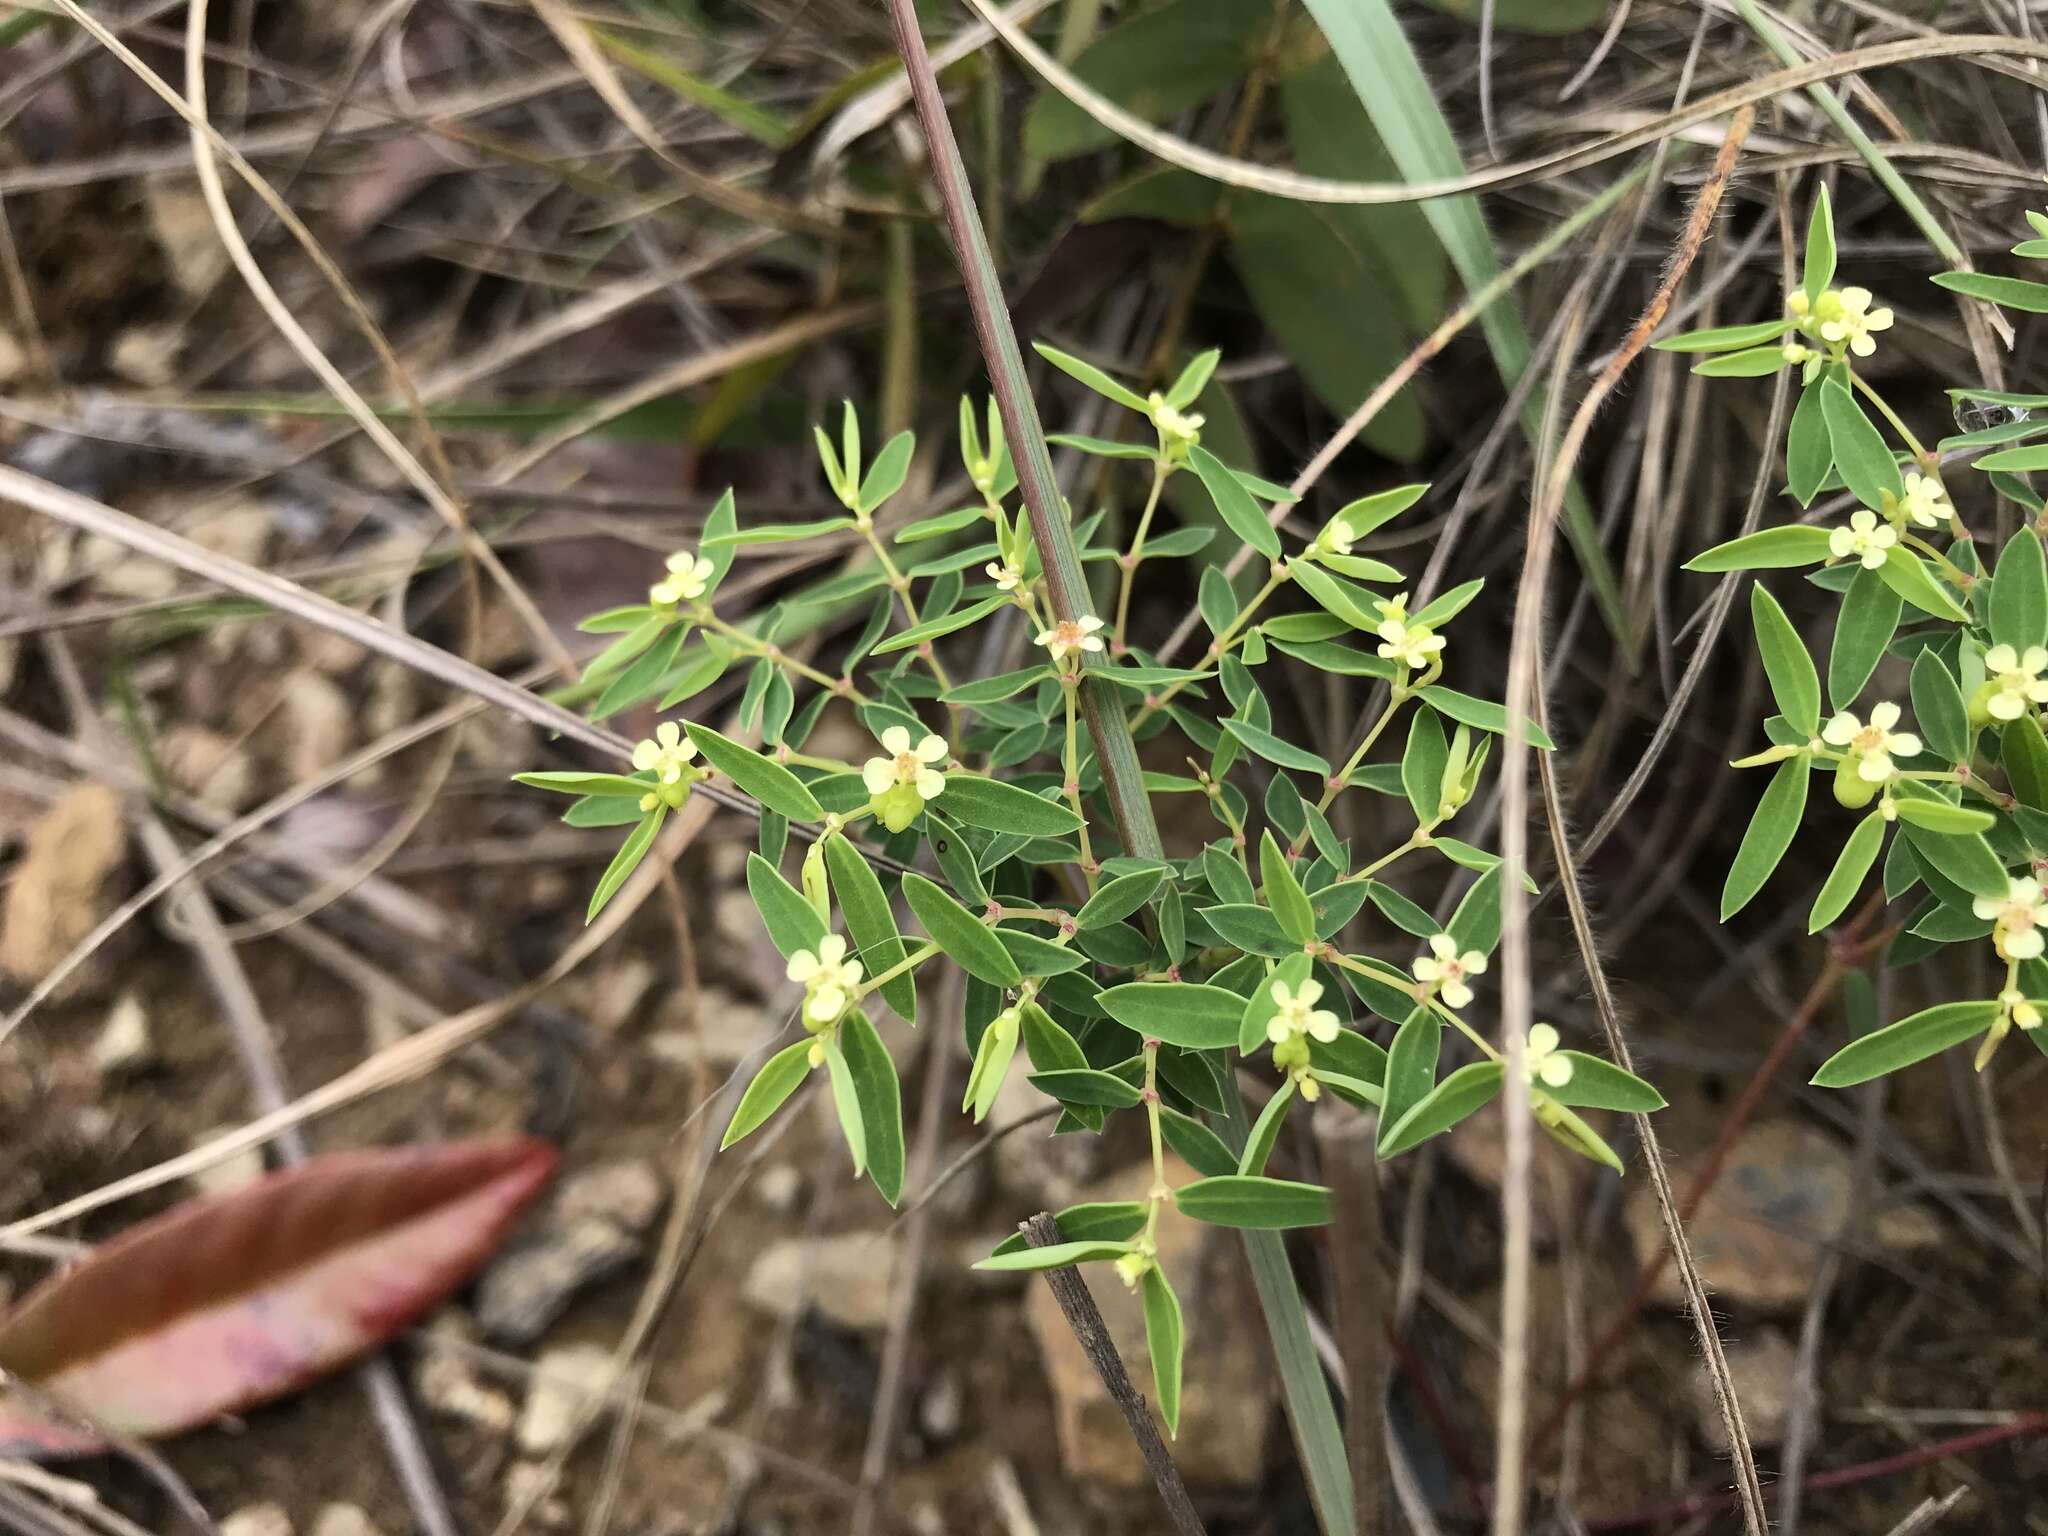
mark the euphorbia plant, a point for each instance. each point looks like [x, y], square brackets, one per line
[1956, 806]
[1131, 984]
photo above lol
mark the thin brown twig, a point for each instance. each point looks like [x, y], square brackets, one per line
[1092, 1334]
[1517, 987]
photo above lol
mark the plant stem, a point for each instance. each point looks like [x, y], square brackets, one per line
[1232, 634]
[1905, 432]
[909, 962]
[1160, 1192]
[754, 645]
[1129, 563]
[1069, 684]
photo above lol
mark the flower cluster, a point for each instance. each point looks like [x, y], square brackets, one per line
[1444, 970]
[1297, 1020]
[689, 576]
[830, 982]
[1178, 430]
[2016, 918]
[668, 755]
[904, 778]
[1868, 750]
[1840, 320]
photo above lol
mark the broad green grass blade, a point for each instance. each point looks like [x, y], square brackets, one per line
[1374, 51]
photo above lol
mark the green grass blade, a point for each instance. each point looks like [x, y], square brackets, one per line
[1374, 51]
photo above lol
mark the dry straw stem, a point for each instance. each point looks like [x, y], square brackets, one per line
[1517, 985]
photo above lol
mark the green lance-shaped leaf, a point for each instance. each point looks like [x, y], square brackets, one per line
[1868, 619]
[876, 1090]
[1794, 683]
[1965, 857]
[626, 860]
[992, 1059]
[1852, 867]
[1938, 707]
[768, 782]
[1447, 605]
[1258, 1146]
[964, 937]
[1909, 576]
[778, 1078]
[1183, 1013]
[1724, 338]
[1275, 749]
[943, 624]
[1752, 363]
[998, 807]
[1087, 1086]
[1195, 1144]
[1942, 816]
[604, 784]
[1093, 377]
[1054, 1256]
[1924, 1034]
[2007, 292]
[1769, 835]
[846, 1101]
[1476, 922]
[1258, 1203]
[2019, 593]
[886, 475]
[1339, 599]
[1464, 1092]
[1036, 956]
[1768, 549]
[1597, 1083]
[1481, 714]
[1866, 462]
[870, 922]
[1283, 892]
[1106, 1221]
[1411, 1069]
[1164, 1336]
[1422, 764]
[1818, 268]
[1809, 454]
[1115, 900]
[2024, 752]
[1234, 503]
[792, 922]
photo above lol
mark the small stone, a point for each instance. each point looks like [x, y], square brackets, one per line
[1763, 1371]
[591, 1231]
[146, 355]
[943, 1408]
[565, 1380]
[1781, 1202]
[317, 727]
[529, 1485]
[628, 1192]
[257, 1520]
[236, 1171]
[846, 1279]
[123, 1045]
[617, 991]
[70, 876]
[776, 1188]
[1907, 1229]
[209, 767]
[447, 1385]
[343, 1520]
[184, 229]
[1228, 1394]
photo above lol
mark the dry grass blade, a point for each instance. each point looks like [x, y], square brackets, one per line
[1517, 1008]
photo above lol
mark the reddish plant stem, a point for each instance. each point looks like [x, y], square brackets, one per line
[2023, 1427]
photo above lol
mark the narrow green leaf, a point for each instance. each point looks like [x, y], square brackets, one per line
[870, 922]
[1055, 1256]
[944, 624]
[1283, 892]
[1411, 1068]
[1115, 900]
[1266, 1129]
[2019, 593]
[1108, 1221]
[781, 533]
[1769, 835]
[1475, 924]
[846, 1103]
[1818, 268]
[1262, 1204]
[1234, 503]
[1277, 751]
[1767, 549]
[603, 784]
[1085, 1085]
[1184, 1013]
[1724, 338]
[1036, 956]
[886, 475]
[1164, 1334]
[2025, 754]
[1866, 463]
[1195, 1144]
[1852, 867]
[768, 782]
[1868, 619]
[778, 1078]
[1965, 858]
[1927, 1033]
[1938, 707]
[1794, 683]
[626, 860]
[1464, 1092]
[960, 934]
[1422, 764]
[792, 922]
[1480, 714]
[1909, 576]
[1093, 377]
[1754, 363]
[1809, 455]
[2008, 292]
[1597, 1083]
[993, 690]
[996, 806]
[1940, 816]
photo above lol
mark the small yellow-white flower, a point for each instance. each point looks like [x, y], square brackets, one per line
[1178, 430]
[1296, 1013]
[2018, 1009]
[1873, 746]
[1413, 645]
[906, 764]
[2016, 680]
[1843, 317]
[1132, 1268]
[1865, 538]
[1071, 635]
[2016, 918]
[828, 979]
[1445, 969]
[1542, 1062]
[666, 755]
[1006, 577]
[688, 575]
[1337, 538]
[1926, 502]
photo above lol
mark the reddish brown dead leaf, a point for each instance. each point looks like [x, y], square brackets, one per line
[229, 1301]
